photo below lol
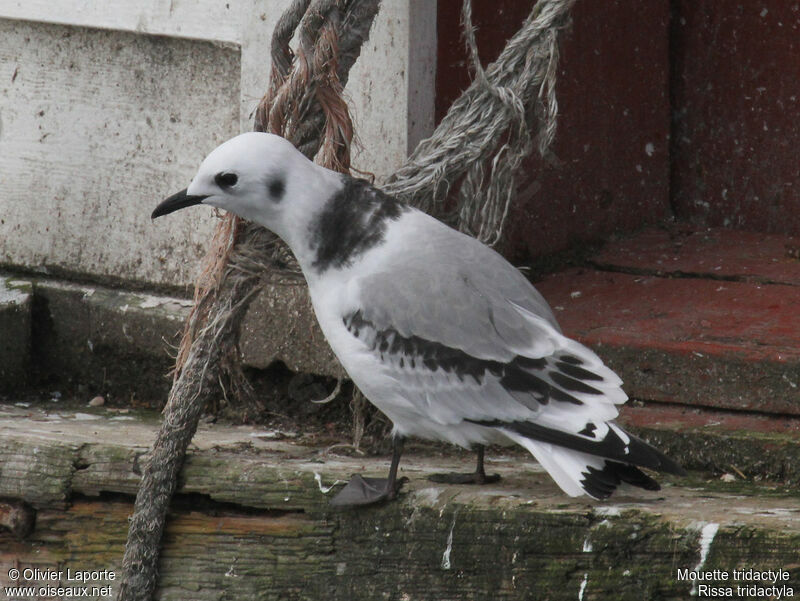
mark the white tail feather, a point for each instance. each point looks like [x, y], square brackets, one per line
[565, 466]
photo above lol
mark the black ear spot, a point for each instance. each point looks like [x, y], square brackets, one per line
[226, 180]
[277, 187]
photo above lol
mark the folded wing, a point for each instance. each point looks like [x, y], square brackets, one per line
[482, 347]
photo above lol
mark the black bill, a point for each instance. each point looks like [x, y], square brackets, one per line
[177, 201]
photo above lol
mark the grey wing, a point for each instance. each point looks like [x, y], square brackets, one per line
[451, 289]
[468, 338]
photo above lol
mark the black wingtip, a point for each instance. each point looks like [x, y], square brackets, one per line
[646, 455]
[601, 483]
[179, 200]
[612, 447]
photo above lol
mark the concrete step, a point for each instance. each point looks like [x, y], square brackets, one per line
[714, 253]
[91, 339]
[735, 446]
[251, 519]
[704, 328]
[16, 298]
[709, 319]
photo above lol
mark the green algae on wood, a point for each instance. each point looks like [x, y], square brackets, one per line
[251, 521]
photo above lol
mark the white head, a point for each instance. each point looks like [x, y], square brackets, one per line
[260, 177]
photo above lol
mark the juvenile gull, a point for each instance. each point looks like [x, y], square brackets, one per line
[438, 331]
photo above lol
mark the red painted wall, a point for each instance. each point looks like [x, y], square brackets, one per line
[727, 72]
[736, 90]
[609, 166]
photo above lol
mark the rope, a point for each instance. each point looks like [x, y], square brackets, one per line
[234, 267]
[487, 131]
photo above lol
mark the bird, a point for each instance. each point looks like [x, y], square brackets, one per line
[442, 334]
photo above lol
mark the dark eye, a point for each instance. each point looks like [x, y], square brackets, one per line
[276, 189]
[226, 180]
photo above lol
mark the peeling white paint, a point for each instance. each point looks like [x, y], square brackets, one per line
[231, 573]
[86, 416]
[448, 549]
[707, 534]
[428, 496]
[325, 489]
[150, 302]
[584, 582]
[11, 296]
[649, 149]
[587, 548]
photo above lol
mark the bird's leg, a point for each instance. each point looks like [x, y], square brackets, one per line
[477, 477]
[366, 491]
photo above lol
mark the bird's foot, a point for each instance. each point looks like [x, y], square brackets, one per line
[367, 491]
[471, 478]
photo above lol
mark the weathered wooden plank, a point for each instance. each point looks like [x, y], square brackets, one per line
[103, 468]
[411, 550]
[17, 517]
[246, 557]
[207, 555]
[38, 474]
[461, 553]
[251, 521]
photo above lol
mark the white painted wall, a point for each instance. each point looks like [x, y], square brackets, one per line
[107, 107]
